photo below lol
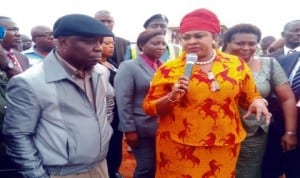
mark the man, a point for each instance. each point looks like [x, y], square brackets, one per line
[44, 42]
[290, 41]
[56, 122]
[114, 156]
[26, 42]
[7, 168]
[121, 44]
[155, 22]
[276, 160]
[265, 43]
[12, 41]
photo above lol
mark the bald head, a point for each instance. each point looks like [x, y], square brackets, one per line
[105, 17]
[40, 29]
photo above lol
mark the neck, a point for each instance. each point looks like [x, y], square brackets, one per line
[209, 60]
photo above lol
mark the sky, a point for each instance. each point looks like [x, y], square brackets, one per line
[269, 15]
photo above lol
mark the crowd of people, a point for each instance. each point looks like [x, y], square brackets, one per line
[223, 103]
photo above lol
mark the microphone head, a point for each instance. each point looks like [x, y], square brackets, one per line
[191, 58]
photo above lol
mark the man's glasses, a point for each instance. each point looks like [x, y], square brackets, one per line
[214, 85]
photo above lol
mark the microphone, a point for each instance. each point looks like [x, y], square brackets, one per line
[191, 58]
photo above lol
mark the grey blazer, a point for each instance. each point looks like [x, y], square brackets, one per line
[50, 124]
[131, 85]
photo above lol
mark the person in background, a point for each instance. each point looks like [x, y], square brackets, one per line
[290, 41]
[44, 42]
[265, 43]
[57, 119]
[7, 168]
[120, 43]
[11, 42]
[278, 160]
[114, 155]
[26, 42]
[221, 35]
[242, 40]
[200, 130]
[131, 86]
[156, 22]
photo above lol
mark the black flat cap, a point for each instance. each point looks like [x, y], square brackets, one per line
[79, 25]
[155, 16]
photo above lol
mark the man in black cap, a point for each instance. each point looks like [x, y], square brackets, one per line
[155, 22]
[58, 112]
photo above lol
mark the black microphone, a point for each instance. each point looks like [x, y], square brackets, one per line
[191, 58]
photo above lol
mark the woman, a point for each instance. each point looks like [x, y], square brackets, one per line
[242, 40]
[131, 86]
[199, 119]
[114, 155]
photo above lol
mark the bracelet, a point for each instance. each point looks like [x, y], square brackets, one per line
[169, 98]
[265, 101]
[290, 133]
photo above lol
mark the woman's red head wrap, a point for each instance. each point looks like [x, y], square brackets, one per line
[200, 19]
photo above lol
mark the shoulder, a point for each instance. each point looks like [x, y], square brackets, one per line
[122, 40]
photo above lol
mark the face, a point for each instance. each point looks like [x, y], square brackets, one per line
[106, 19]
[12, 37]
[243, 45]
[155, 47]
[108, 46]
[26, 42]
[81, 52]
[199, 42]
[265, 45]
[158, 24]
[292, 35]
[43, 38]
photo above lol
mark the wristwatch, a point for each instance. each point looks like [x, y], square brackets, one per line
[10, 66]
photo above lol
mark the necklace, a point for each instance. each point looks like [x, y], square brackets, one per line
[208, 61]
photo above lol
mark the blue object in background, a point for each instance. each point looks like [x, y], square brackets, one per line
[2, 32]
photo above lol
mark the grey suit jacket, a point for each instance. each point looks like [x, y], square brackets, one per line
[131, 84]
[50, 123]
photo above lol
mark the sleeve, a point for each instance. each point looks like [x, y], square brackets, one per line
[161, 85]
[278, 76]
[110, 100]
[124, 91]
[249, 92]
[19, 127]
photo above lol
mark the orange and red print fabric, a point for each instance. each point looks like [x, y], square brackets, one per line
[204, 118]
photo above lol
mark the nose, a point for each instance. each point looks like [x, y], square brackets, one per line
[98, 47]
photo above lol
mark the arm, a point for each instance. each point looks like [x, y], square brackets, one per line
[124, 91]
[19, 127]
[166, 103]
[288, 103]
[251, 97]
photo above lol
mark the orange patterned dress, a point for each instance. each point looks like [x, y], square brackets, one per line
[200, 137]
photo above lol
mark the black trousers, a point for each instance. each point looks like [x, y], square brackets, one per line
[276, 162]
[114, 155]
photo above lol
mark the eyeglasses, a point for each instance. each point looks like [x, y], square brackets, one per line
[214, 84]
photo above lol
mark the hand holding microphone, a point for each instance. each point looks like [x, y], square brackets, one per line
[181, 87]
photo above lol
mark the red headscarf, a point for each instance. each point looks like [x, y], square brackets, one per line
[200, 19]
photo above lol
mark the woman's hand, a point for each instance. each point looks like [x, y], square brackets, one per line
[179, 89]
[259, 107]
[131, 138]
